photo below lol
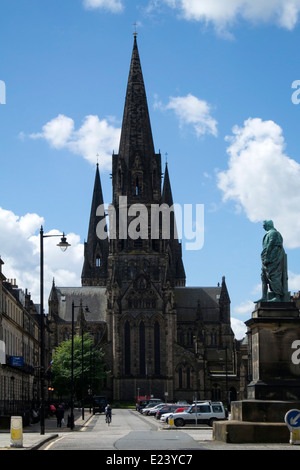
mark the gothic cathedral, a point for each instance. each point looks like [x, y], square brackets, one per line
[158, 336]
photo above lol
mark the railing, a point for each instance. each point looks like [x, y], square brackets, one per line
[15, 408]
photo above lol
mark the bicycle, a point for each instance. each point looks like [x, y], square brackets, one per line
[108, 419]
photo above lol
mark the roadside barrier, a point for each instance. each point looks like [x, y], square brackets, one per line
[171, 421]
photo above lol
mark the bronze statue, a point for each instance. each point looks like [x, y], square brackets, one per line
[274, 266]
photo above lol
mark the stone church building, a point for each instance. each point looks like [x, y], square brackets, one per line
[159, 337]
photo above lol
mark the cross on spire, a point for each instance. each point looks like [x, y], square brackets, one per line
[134, 32]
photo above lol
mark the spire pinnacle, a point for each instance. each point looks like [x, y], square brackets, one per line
[95, 249]
[136, 134]
[135, 32]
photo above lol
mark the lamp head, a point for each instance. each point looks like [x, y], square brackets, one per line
[63, 244]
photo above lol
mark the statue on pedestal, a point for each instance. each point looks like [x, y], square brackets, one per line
[274, 266]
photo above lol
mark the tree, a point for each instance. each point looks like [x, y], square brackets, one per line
[93, 373]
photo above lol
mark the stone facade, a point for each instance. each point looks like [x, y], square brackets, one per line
[274, 332]
[19, 351]
[159, 337]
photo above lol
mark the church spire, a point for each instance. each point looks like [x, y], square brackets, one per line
[94, 270]
[177, 267]
[166, 196]
[136, 168]
[136, 134]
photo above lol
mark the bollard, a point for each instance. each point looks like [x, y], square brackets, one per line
[171, 421]
[16, 431]
[295, 436]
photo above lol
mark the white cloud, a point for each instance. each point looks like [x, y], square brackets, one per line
[94, 137]
[223, 14]
[20, 251]
[115, 6]
[190, 110]
[262, 179]
[293, 282]
[57, 131]
[245, 309]
[239, 328]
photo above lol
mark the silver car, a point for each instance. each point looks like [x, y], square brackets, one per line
[206, 412]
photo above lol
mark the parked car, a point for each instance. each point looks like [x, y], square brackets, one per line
[151, 410]
[165, 417]
[182, 408]
[141, 405]
[166, 409]
[205, 412]
[155, 401]
[150, 403]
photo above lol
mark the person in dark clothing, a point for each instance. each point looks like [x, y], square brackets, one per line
[59, 415]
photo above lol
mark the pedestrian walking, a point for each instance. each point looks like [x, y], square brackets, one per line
[60, 412]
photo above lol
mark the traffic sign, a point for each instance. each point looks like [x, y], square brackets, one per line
[292, 420]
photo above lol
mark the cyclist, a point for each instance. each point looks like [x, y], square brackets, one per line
[108, 413]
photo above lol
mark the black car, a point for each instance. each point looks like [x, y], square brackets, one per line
[99, 404]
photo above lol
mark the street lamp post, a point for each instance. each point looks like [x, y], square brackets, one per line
[82, 326]
[82, 377]
[72, 370]
[63, 246]
[72, 359]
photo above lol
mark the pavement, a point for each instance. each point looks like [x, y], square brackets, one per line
[32, 437]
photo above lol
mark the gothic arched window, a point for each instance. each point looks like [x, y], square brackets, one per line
[142, 349]
[127, 347]
[216, 392]
[184, 377]
[131, 271]
[180, 378]
[156, 348]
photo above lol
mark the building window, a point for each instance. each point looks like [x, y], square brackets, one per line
[180, 378]
[131, 271]
[98, 262]
[213, 338]
[184, 377]
[137, 184]
[188, 378]
[190, 338]
[216, 392]
[156, 348]
[180, 337]
[142, 349]
[127, 347]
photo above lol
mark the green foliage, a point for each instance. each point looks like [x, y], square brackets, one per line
[93, 373]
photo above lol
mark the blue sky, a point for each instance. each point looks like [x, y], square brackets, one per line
[219, 79]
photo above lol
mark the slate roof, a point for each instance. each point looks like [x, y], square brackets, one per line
[93, 297]
[188, 298]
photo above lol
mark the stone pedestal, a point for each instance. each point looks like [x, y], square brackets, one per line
[274, 342]
[255, 421]
[273, 332]
[266, 411]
